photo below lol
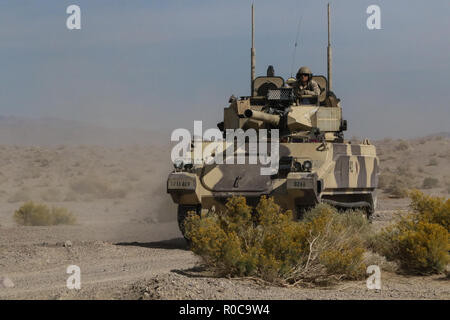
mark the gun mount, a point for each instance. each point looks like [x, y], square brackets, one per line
[279, 109]
[265, 117]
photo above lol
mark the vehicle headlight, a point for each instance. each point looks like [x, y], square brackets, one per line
[178, 164]
[307, 166]
[298, 166]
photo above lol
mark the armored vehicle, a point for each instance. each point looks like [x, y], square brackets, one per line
[315, 163]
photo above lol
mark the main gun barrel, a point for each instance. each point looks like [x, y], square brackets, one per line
[272, 119]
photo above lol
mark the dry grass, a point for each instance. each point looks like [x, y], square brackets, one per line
[31, 214]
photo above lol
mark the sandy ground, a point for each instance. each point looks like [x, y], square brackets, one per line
[126, 240]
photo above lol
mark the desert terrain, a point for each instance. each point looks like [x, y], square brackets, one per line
[126, 239]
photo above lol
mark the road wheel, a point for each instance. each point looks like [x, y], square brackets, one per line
[182, 214]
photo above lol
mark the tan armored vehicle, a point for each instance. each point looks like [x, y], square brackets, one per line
[315, 163]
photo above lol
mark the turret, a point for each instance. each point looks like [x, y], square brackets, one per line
[272, 104]
[288, 116]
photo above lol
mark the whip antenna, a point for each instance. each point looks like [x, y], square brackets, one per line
[252, 53]
[329, 53]
[296, 44]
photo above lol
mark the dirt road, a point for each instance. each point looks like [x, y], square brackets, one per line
[126, 240]
[35, 260]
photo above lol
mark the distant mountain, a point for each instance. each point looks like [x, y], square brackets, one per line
[25, 131]
[440, 134]
[53, 131]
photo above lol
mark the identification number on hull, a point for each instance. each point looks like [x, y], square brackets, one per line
[299, 184]
[180, 184]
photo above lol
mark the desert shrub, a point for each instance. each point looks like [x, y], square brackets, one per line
[431, 209]
[419, 241]
[429, 183]
[398, 187]
[444, 155]
[404, 170]
[31, 214]
[374, 258]
[384, 180]
[402, 146]
[397, 182]
[432, 162]
[268, 244]
[418, 246]
[61, 216]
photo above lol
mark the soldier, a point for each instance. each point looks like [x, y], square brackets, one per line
[305, 85]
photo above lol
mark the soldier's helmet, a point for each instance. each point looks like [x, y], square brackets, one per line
[304, 70]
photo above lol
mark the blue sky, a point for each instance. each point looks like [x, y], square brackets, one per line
[160, 65]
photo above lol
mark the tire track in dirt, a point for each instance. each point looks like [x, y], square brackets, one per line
[100, 277]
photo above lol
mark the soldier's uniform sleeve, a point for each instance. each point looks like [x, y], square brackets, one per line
[313, 89]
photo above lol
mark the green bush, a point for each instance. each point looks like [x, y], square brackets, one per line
[420, 241]
[268, 244]
[31, 214]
